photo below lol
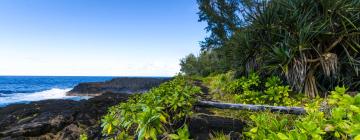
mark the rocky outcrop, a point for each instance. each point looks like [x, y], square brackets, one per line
[202, 125]
[56, 119]
[117, 85]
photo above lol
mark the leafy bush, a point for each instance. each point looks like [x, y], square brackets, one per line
[276, 93]
[160, 111]
[243, 84]
[218, 82]
[345, 114]
[267, 125]
[219, 136]
[339, 119]
[83, 137]
[182, 134]
[248, 90]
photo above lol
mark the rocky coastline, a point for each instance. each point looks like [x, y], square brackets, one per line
[56, 119]
[67, 119]
[127, 85]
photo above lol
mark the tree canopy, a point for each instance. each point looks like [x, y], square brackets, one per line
[312, 44]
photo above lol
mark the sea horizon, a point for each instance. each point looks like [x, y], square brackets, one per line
[26, 89]
[79, 76]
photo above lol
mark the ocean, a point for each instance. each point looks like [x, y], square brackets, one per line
[25, 89]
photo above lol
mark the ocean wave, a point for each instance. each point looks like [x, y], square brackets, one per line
[55, 93]
[17, 91]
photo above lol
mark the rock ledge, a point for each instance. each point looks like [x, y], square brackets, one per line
[117, 85]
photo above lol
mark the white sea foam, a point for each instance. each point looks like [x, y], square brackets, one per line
[55, 93]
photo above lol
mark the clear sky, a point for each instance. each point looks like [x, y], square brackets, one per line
[97, 37]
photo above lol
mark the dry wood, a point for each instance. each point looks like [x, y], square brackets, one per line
[281, 109]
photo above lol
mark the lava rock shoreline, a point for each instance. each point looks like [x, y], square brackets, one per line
[56, 119]
[68, 119]
[117, 85]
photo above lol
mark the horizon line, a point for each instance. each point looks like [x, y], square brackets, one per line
[76, 76]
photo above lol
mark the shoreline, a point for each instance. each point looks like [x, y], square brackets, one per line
[65, 118]
[56, 118]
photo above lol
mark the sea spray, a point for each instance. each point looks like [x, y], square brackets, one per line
[54, 93]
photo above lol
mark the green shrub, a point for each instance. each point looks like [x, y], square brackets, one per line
[344, 119]
[182, 134]
[157, 112]
[339, 119]
[267, 125]
[83, 136]
[219, 136]
[247, 90]
[243, 84]
[218, 82]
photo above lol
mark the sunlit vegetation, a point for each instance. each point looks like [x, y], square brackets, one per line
[161, 112]
[313, 45]
[250, 90]
[302, 53]
[219, 136]
[339, 120]
[334, 117]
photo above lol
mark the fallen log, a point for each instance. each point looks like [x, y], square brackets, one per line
[249, 107]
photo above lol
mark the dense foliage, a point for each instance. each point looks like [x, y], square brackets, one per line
[311, 44]
[339, 118]
[160, 112]
[261, 52]
[334, 117]
[250, 89]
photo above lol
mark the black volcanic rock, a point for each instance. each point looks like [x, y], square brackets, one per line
[201, 125]
[117, 85]
[56, 119]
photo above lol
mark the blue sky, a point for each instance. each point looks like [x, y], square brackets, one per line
[97, 37]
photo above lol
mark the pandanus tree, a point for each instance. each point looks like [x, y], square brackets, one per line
[313, 44]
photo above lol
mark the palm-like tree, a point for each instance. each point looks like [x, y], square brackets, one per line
[314, 43]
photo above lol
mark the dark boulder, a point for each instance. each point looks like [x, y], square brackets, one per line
[202, 125]
[117, 85]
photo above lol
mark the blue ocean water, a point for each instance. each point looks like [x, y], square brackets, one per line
[24, 89]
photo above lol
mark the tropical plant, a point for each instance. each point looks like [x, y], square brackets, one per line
[182, 134]
[218, 83]
[153, 114]
[219, 136]
[313, 44]
[267, 126]
[83, 137]
[337, 117]
[243, 84]
[309, 41]
[251, 90]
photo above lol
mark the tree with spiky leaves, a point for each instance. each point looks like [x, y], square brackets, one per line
[313, 44]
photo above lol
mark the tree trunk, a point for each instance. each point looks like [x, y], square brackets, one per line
[249, 107]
